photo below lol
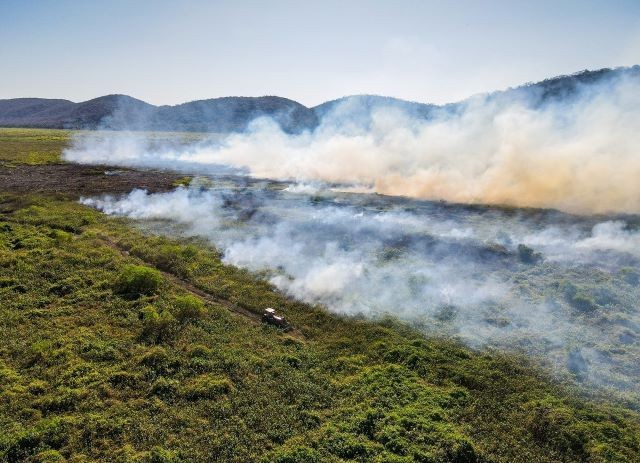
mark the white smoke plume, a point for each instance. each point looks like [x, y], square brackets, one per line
[564, 287]
[580, 155]
[450, 270]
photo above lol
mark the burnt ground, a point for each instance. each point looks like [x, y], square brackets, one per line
[74, 180]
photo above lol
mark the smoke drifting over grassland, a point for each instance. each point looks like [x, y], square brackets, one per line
[578, 154]
[554, 285]
[562, 287]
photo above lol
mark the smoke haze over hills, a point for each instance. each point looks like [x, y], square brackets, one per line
[234, 114]
[559, 286]
[570, 146]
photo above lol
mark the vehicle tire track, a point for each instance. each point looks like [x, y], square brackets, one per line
[189, 287]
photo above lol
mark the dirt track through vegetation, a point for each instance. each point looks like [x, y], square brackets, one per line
[187, 286]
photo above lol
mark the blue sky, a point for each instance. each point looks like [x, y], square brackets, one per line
[168, 52]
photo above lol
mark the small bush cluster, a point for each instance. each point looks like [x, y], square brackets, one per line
[163, 324]
[137, 280]
[578, 298]
[206, 387]
[188, 308]
[528, 255]
[157, 326]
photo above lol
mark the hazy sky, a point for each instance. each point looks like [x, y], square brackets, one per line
[168, 52]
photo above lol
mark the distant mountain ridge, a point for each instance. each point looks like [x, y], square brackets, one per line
[234, 114]
[227, 114]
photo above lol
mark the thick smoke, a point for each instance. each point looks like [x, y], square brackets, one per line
[538, 281]
[577, 154]
[561, 287]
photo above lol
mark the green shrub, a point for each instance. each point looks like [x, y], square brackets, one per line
[393, 438]
[206, 387]
[160, 455]
[51, 433]
[60, 236]
[137, 280]
[157, 326]
[156, 359]
[49, 456]
[583, 302]
[165, 388]
[37, 387]
[98, 351]
[295, 455]
[150, 322]
[188, 308]
[460, 450]
[7, 375]
[199, 351]
[552, 423]
[347, 446]
[172, 258]
[528, 255]
[62, 400]
[123, 379]
[292, 360]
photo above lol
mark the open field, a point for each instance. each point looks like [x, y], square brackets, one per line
[32, 146]
[30, 162]
[122, 346]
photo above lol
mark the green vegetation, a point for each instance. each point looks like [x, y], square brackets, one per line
[154, 372]
[527, 255]
[32, 146]
[118, 346]
[188, 308]
[578, 298]
[182, 181]
[135, 281]
[44, 146]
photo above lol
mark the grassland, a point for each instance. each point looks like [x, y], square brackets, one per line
[32, 146]
[44, 146]
[102, 360]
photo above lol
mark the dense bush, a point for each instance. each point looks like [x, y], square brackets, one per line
[165, 388]
[528, 255]
[157, 360]
[206, 387]
[578, 298]
[583, 302]
[299, 454]
[137, 280]
[188, 308]
[157, 326]
[49, 456]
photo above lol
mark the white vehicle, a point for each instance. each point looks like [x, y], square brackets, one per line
[269, 316]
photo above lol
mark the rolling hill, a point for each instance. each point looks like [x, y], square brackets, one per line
[234, 114]
[229, 114]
